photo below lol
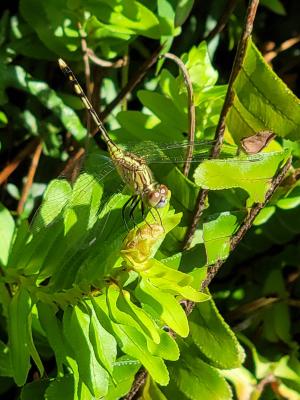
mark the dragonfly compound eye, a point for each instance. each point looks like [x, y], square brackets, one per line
[163, 196]
[158, 197]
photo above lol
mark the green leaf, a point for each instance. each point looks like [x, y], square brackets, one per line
[172, 281]
[7, 227]
[54, 24]
[5, 361]
[151, 391]
[166, 307]
[34, 390]
[214, 338]
[277, 319]
[252, 173]
[125, 369]
[117, 314]
[125, 304]
[63, 387]
[17, 77]
[166, 15]
[262, 101]
[191, 378]
[288, 368]
[58, 190]
[104, 344]
[274, 5]
[133, 343]
[183, 10]
[32, 349]
[164, 109]
[53, 330]
[76, 328]
[243, 382]
[18, 312]
[200, 69]
[217, 233]
[133, 16]
[167, 348]
[3, 119]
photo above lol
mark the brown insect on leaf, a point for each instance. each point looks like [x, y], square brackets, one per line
[256, 143]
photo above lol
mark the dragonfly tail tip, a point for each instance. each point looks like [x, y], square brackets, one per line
[62, 64]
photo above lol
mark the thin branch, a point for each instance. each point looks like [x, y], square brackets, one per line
[251, 307]
[138, 382]
[29, 181]
[270, 55]
[219, 135]
[87, 73]
[228, 10]
[267, 380]
[10, 168]
[244, 228]
[237, 65]
[191, 110]
[104, 63]
[133, 82]
[124, 79]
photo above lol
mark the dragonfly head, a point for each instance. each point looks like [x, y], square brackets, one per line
[156, 196]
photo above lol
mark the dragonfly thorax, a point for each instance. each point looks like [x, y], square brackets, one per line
[155, 195]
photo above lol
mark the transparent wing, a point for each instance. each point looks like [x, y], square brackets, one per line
[67, 192]
[176, 152]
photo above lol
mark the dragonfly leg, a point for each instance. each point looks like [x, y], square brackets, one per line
[133, 207]
[159, 216]
[143, 215]
[128, 202]
[154, 217]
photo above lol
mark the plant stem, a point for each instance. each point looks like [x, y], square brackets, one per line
[30, 176]
[191, 110]
[219, 135]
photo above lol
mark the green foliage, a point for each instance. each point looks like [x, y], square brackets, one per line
[86, 302]
[255, 89]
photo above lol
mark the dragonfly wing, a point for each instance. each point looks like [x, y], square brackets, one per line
[62, 194]
[177, 152]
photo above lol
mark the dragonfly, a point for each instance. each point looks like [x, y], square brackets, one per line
[134, 165]
[132, 169]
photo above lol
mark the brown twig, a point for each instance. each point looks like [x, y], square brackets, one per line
[87, 73]
[104, 63]
[31, 173]
[251, 307]
[10, 168]
[133, 82]
[267, 380]
[244, 228]
[138, 382]
[237, 64]
[270, 55]
[125, 72]
[228, 10]
[191, 110]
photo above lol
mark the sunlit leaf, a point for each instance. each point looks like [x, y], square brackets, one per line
[18, 313]
[166, 306]
[253, 174]
[255, 107]
[7, 227]
[213, 336]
